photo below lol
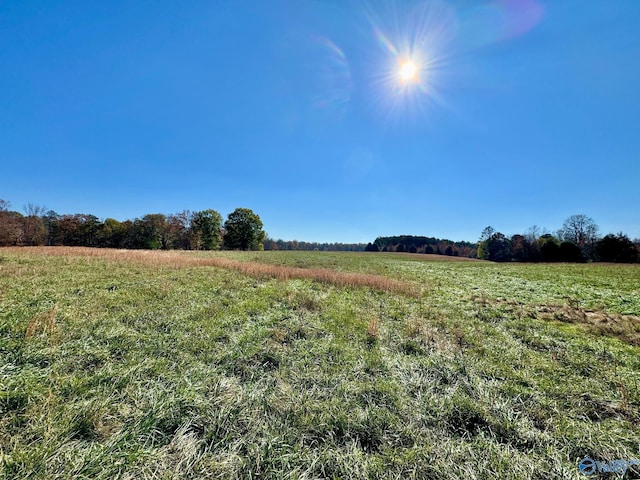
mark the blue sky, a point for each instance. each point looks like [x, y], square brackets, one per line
[523, 112]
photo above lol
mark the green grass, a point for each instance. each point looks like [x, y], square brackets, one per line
[125, 369]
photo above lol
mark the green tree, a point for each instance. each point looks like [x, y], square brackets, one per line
[520, 248]
[51, 225]
[570, 252]
[371, 247]
[111, 234]
[496, 248]
[243, 230]
[486, 233]
[89, 229]
[483, 242]
[616, 248]
[150, 232]
[206, 227]
[549, 247]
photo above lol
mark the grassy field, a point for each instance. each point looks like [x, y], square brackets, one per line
[117, 364]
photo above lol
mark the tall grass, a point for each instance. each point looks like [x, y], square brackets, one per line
[253, 269]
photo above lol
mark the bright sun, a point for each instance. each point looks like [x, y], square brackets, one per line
[408, 71]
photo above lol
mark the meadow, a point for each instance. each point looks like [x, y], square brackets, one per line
[159, 365]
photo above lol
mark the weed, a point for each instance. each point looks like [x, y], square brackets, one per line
[373, 331]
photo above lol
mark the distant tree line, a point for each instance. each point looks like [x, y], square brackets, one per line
[202, 230]
[417, 244]
[576, 241]
[271, 244]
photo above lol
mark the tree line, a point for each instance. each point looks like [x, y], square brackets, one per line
[418, 244]
[577, 240]
[271, 244]
[201, 230]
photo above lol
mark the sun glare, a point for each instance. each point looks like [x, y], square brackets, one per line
[411, 55]
[408, 71]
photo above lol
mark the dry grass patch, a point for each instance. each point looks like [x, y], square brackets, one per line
[373, 330]
[622, 327]
[42, 323]
[178, 259]
[597, 322]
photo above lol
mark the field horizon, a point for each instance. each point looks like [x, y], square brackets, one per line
[297, 364]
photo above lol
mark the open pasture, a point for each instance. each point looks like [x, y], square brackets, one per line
[147, 364]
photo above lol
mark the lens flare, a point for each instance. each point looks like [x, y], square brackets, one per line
[422, 48]
[412, 46]
[408, 71]
[333, 77]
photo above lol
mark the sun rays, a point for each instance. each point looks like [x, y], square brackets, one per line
[408, 72]
[411, 45]
[420, 49]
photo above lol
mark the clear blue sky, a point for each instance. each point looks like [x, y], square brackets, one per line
[522, 112]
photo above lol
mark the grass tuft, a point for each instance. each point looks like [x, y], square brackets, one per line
[373, 331]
